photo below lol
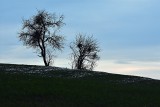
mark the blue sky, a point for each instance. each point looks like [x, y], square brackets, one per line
[127, 30]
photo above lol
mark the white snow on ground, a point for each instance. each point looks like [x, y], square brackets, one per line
[63, 72]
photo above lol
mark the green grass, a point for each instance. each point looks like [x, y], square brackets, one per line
[59, 89]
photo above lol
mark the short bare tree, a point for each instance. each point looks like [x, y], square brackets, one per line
[39, 32]
[85, 51]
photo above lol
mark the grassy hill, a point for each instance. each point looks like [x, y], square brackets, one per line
[38, 86]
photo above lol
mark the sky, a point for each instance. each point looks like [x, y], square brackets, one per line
[128, 32]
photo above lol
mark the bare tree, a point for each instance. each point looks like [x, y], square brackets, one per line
[39, 32]
[84, 52]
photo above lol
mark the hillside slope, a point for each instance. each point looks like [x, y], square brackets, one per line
[38, 86]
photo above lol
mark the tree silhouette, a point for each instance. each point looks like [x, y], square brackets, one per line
[84, 52]
[39, 32]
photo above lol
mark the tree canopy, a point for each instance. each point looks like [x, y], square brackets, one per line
[40, 32]
[84, 52]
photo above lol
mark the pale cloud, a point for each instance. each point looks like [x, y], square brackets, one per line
[145, 69]
[19, 54]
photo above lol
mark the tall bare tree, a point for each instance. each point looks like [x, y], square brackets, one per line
[39, 32]
[84, 52]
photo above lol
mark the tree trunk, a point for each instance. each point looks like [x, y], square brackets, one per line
[45, 62]
[80, 62]
[44, 57]
[44, 52]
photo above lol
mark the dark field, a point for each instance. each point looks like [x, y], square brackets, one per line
[37, 86]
